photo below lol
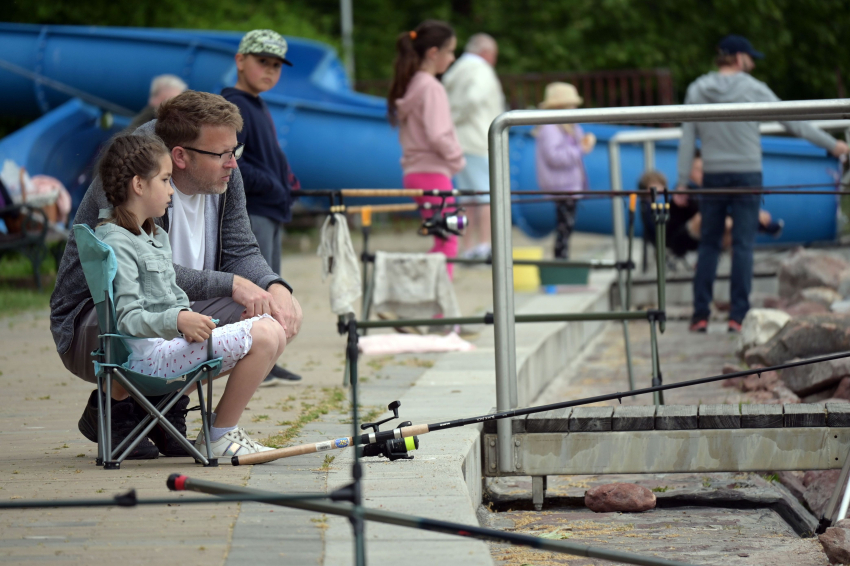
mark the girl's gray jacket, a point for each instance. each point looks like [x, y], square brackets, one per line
[147, 298]
[231, 250]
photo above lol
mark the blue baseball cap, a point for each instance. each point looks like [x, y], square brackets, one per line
[732, 44]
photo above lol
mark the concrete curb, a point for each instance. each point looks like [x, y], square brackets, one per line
[444, 481]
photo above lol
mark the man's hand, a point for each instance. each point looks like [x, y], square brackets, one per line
[840, 149]
[680, 196]
[255, 300]
[194, 326]
[288, 311]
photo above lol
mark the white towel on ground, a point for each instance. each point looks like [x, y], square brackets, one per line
[413, 286]
[384, 344]
[340, 262]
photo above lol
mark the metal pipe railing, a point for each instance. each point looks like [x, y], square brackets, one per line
[500, 213]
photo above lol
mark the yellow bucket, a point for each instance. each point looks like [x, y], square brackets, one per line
[527, 277]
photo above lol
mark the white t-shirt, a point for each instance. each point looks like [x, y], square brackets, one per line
[186, 229]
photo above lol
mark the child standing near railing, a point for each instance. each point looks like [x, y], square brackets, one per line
[560, 152]
[419, 106]
[136, 174]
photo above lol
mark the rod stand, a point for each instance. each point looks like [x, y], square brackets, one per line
[654, 317]
[349, 325]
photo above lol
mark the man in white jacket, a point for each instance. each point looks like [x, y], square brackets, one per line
[476, 98]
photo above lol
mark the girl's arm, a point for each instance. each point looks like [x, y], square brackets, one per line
[128, 290]
[437, 118]
[556, 148]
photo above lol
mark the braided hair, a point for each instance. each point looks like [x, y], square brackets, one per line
[126, 157]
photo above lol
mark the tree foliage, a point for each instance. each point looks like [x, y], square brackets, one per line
[802, 39]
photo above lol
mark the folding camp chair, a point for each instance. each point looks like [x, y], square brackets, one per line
[99, 265]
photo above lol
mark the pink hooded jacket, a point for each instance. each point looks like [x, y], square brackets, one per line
[426, 132]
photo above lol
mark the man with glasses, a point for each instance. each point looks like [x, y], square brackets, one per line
[268, 178]
[215, 255]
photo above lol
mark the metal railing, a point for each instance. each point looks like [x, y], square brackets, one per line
[500, 211]
[648, 139]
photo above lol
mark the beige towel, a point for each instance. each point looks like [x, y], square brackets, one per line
[413, 286]
[340, 262]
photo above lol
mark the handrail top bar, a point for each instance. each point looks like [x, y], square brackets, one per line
[732, 112]
[660, 134]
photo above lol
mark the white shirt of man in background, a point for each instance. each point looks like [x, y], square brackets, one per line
[476, 98]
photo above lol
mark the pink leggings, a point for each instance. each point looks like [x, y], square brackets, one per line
[434, 181]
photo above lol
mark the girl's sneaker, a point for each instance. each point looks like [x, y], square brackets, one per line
[233, 443]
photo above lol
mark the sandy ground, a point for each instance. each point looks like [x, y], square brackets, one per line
[45, 456]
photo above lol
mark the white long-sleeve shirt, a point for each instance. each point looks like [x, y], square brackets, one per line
[476, 98]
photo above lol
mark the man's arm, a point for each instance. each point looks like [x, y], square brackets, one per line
[802, 129]
[253, 283]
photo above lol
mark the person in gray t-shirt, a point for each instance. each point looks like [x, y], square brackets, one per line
[731, 153]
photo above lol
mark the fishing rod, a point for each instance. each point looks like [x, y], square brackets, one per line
[179, 482]
[744, 190]
[420, 429]
[225, 493]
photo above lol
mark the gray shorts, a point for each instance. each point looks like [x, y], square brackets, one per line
[475, 176]
[78, 359]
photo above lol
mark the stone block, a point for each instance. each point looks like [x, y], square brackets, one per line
[806, 268]
[811, 378]
[619, 497]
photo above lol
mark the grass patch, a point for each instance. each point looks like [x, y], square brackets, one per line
[771, 478]
[17, 286]
[334, 399]
[660, 489]
[326, 465]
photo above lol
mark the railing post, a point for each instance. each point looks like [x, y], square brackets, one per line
[503, 283]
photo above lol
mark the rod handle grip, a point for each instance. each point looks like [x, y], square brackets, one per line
[271, 455]
[632, 202]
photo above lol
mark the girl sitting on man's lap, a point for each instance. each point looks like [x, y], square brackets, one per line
[136, 174]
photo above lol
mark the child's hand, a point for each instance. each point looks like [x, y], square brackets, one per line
[195, 327]
[588, 142]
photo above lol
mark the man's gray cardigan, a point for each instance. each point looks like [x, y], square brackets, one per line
[231, 250]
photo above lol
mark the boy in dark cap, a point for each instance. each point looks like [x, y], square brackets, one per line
[731, 153]
[269, 181]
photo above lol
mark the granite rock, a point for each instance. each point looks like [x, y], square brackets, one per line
[806, 268]
[619, 497]
[836, 544]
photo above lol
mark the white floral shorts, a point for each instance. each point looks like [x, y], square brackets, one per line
[168, 358]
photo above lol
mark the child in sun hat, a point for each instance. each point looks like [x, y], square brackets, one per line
[559, 159]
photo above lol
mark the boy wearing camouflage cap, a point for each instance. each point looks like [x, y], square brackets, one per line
[269, 180]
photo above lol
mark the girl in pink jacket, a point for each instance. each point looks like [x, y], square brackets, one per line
[418, 105]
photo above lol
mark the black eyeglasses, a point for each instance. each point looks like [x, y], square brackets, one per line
[235, 152]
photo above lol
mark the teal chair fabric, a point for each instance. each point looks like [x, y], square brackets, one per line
[100, 266]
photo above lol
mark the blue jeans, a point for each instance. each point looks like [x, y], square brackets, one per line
[744, 210]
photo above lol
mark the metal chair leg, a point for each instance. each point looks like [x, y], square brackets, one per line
[108, 462]
[101, 427]
[211, 462]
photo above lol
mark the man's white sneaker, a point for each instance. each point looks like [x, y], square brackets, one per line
[233, 443]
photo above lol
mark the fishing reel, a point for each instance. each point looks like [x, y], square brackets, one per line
[444, 223]
[395, 448]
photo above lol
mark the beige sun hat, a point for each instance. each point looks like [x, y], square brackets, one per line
[560, 94]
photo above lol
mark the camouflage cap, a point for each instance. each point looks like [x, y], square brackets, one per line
[264, 42]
